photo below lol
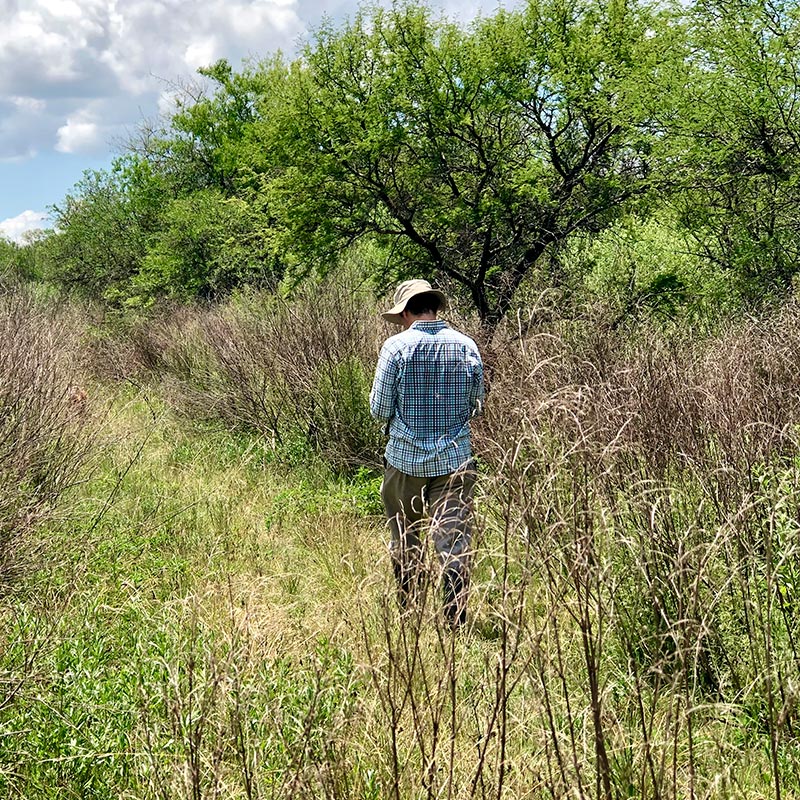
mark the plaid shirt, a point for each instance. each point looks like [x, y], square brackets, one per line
[428, 383]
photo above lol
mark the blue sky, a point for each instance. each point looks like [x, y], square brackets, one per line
[77, 77]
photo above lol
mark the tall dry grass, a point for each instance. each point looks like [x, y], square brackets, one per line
[295, 372]
[45, 430]
[642, 495]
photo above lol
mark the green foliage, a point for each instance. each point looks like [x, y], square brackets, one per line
[737, 129]
[342, 428]
[8, 252]
[645, 268]
[470, 152]
[23, 263]
[207, 245]
[103, 229]
[364, 490]
[470, 155]
[209, 143]
[172, 219]
[317, 491]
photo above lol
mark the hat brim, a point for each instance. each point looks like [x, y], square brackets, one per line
[393, 315]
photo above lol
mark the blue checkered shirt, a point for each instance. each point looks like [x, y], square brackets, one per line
[428, 384]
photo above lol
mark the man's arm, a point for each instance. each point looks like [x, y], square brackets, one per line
[383, 397]
[477, 390]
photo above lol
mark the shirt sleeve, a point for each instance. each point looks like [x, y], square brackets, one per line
[383, 397]
[477, 390]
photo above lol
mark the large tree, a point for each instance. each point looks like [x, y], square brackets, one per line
[737, 135]
[470, 153]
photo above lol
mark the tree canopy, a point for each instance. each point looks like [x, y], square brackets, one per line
[473, 155]
[466, 153]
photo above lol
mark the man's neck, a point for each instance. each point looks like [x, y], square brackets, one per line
[410, 319]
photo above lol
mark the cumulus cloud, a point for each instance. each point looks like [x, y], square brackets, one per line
[29, 104]
[17, 227]
[78, 135]
[69, 64]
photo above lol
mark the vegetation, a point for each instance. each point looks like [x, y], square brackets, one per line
[210, 612]
[195, 596]
[45, 425]
[481, 157]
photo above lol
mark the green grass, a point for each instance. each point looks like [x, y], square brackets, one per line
[204, 623]
[177, 587]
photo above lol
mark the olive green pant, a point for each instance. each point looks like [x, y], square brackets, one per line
[441, 506]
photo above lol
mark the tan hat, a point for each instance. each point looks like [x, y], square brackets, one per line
[404, 292]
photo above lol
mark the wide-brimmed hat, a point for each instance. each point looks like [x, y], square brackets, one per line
[404, 292]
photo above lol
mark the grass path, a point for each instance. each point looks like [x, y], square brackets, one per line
[199, 622]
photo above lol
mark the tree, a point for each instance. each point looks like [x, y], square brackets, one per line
[206, 246]
[207, 143]
[738, 134]
[173, 217]
[469, 154]
[8, 257]
[103, 228]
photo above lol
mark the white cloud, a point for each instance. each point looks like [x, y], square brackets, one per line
[64, 9]
[78, 135]
[29, 104]
[17, 227]
[60, 57]
[201, 52]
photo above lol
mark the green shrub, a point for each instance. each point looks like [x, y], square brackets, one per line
[644, 268]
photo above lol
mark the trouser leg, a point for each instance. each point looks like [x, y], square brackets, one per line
[404, 505]
[450, 501]
[455, 589]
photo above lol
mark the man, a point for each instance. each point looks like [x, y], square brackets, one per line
[428, 384]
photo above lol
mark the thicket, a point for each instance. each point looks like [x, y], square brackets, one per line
[295, 373]
[46, 421]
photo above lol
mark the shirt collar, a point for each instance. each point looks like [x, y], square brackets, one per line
[429, 325]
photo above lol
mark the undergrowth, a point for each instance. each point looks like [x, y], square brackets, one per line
[213, 614]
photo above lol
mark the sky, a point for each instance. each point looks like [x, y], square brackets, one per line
[78, 77]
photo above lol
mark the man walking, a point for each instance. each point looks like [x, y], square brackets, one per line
[428, 384]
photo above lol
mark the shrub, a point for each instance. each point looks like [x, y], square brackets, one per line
[44, 441]
[295, 372]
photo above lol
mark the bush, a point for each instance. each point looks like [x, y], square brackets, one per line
[44, 441]
[294, 372]
[644, 269]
